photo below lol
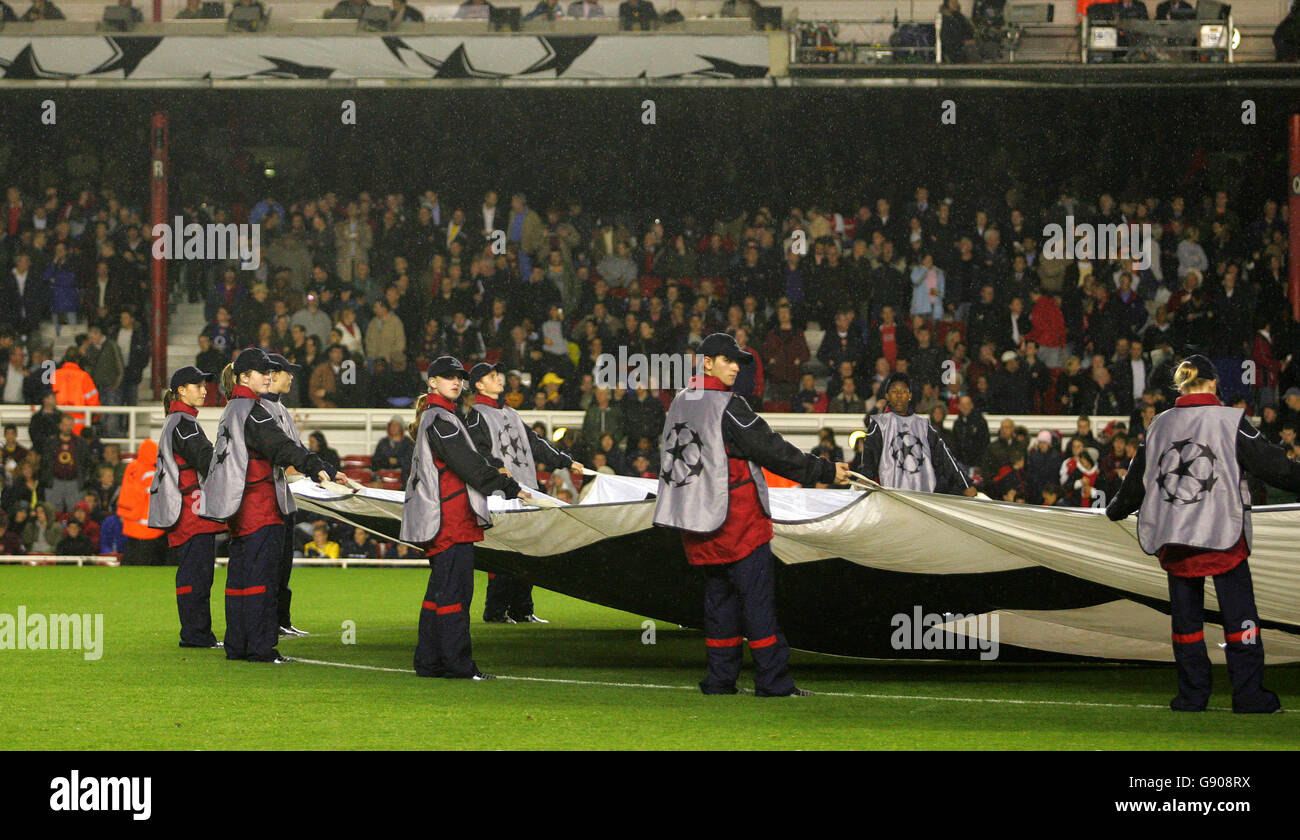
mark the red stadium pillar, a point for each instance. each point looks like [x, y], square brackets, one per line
[157, 11]
[1293, 249]
[158, 204]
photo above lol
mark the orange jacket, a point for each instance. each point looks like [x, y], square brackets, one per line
[133, 499]
[73, 386]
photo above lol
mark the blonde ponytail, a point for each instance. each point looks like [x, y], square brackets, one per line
[1186, 377]
[228, 380]
[420, 405]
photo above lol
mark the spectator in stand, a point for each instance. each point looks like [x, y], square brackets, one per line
[395, 450]
[889, 340]
[386, 334]
[320, 545]
[360, 546]
[749, 382]
[66, 466]
[809, 400]
[42, 10]
[476, 10]
[848, 400]
[785, 352]
[586, 9]
[603, 417]
[14, 375]
[1042, 466]
[1004, 450]
[42, 531]
[73, 386]
[928, 288]
[970, 432]
[637, 14]
[314, 320]
[643, 415]
[317, 444]
[24, 297]
[134, 346]
[1047, 329]
[404, 12]
[11, 541]
[1010, 387]
[546, 10]
[957, 34]
[326, 385]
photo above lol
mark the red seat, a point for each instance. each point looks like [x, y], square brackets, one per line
[493, 355]
[777, 406]
[355, 461]
[357, 474]
[391, 483]
[395, 475]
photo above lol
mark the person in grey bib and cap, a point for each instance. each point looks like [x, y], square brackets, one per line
[711, 488]
[903, 451]
[446, 511]
[1186, 483]
[281, 384]
[184, 454]
[508, 443]
[246, 488]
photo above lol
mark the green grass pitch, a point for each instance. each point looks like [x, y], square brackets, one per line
[147, 693]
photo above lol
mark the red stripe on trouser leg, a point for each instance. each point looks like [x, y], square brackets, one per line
[1189, 638]
[184, 590]
[252, 590]
[450, 608]
[762, 643]
[735, 642]
[1245, 636]
[429, 605]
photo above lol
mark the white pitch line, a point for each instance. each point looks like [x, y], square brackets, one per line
[922, 697]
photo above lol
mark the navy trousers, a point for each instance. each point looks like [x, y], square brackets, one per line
[1245, 650]
[195, 559]
[251, 579]
[284, 595]
[443, 649]
[740, 598]
[507, 595]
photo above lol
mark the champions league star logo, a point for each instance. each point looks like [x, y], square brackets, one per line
[1186, 472]
[908, 452]
[683, 455]
[513, 448]
[223, 444]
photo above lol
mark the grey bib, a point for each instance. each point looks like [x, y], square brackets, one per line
[165, 497]
[693, 481]
[906, 462]
[422, 511]
[1195, 495]
[284, 420]
[510, 443]
[224, 490]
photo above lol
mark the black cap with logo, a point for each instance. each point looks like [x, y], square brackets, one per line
[253, 358]
[190, 375]
[723, 344]
[481, 370]
[446, 367]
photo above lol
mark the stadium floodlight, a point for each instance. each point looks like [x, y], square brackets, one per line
[1103, 37]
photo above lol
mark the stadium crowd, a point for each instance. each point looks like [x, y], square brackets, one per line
[363, 291]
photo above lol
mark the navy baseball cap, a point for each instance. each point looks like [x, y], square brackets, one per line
[190, 375]
[1204, 367]
[481, 370]
[724, 344]
[284, 364]
[446, 367]
[253, 358]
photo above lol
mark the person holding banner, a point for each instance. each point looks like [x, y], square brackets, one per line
[245, 489]
[1187, 485]
[184, 454]
[281, 384]
[711, 488]
[903, 451]
[507, 443]
[446, 510]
